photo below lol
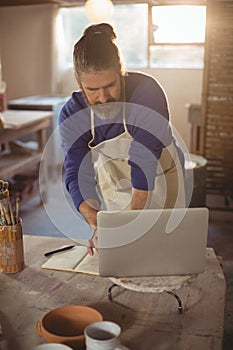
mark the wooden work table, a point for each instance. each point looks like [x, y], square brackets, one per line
[149, 321]
[16, 125]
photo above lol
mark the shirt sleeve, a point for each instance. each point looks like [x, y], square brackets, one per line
[148, 123]
[79, 172]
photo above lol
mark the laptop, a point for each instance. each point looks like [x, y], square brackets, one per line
[152, 242]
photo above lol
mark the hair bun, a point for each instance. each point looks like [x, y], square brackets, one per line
[100, 29]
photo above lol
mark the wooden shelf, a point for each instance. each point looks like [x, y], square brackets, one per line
[11, 163]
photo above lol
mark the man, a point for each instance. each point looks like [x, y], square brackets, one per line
[120, 152]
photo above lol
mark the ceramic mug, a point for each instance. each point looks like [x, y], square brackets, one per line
[103, 335]
[52, 346]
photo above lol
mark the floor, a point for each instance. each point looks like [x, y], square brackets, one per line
[57, 219]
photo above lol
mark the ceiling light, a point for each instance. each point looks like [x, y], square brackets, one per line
[98, 10]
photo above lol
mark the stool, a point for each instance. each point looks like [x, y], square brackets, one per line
[154, 284]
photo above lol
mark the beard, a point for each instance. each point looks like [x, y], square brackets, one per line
[110, 109]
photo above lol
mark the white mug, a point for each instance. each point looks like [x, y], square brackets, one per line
[103, 335]
[52, 346]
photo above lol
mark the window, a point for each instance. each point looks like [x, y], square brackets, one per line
[71, 23]
[176, 40]
[177, 36]
[131, 34]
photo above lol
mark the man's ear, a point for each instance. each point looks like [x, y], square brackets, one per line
[77, 79]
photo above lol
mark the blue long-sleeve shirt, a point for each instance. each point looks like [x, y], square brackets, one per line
[147, 120]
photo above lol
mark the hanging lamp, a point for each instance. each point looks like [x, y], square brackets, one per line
[98, 10]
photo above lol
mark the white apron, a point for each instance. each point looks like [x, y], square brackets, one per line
[113, 174]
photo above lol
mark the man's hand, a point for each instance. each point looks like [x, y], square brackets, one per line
[89, 210]
[93, 243]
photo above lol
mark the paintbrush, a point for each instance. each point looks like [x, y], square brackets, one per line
[2, 216]
[17, 209]
[7, 195]
[5, 203]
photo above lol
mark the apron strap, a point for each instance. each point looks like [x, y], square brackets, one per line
[92, 129]
[93, 125]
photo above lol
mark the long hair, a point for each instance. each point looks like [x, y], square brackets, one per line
[97, 50]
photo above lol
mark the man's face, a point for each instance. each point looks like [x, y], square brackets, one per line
[100, 88]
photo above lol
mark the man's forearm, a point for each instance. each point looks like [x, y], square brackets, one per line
[140, 199]
[89, 209]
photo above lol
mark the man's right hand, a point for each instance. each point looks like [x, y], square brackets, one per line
[93, 243]
[89, 209]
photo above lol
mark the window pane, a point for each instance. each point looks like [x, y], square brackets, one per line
[129, 22]
[71, 24]
[177, 56]
[178, 24]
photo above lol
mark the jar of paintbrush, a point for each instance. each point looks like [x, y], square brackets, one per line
[11, 233]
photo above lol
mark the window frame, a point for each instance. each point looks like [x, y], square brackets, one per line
[151, 42]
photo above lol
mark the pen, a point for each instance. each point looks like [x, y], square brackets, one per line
[59, 250]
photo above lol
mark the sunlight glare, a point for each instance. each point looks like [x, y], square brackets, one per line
[179, 24]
